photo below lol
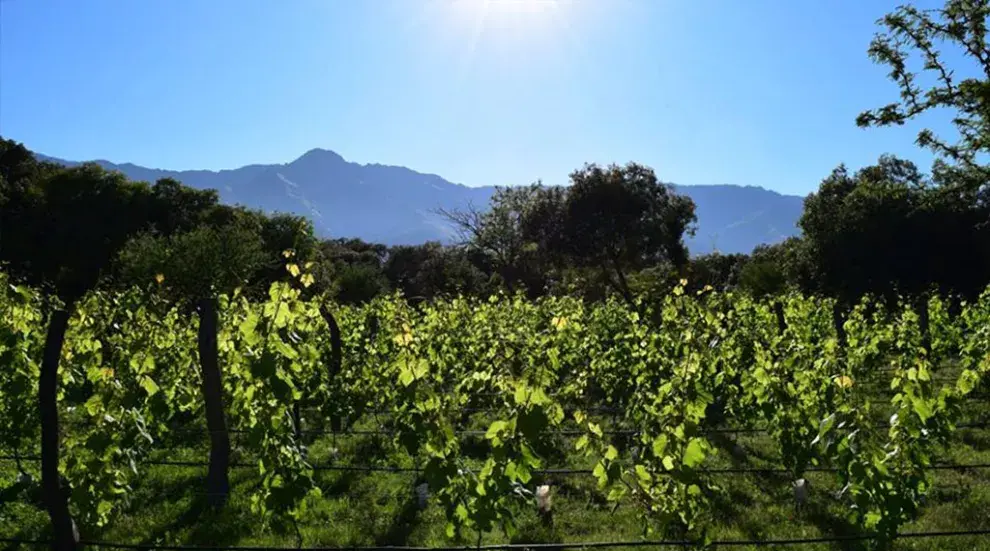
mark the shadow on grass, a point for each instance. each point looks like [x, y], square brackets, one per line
[738, 454]
[402, 524]
[570, 488]
[369, 450]
[342, 482]
[205, 524]
[978, 440]
[729, 505]
[831, 524]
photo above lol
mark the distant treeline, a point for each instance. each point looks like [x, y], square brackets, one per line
[887, 229]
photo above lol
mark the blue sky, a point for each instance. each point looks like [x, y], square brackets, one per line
[704, 91]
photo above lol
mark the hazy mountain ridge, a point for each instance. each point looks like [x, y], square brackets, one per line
[395, 204]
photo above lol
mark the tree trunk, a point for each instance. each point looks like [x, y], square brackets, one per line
[620, 285]
[626, 293]
[217, 482]
[65, 536]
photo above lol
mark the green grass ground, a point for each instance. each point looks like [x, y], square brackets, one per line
[377, 508]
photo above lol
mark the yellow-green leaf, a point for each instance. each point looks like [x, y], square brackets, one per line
[149, 385]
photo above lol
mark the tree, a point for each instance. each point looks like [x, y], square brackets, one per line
[280, 232]
[17, 163]
[354, 250]
[960, 26]
[196, 264]
[179, 208]
[358, 283]
[431, 270]
[859, 228]
[72, 224]
[889, 229]
[351, 269]
[720, 271]
[515, 233]
[772, 269]
[619, 219]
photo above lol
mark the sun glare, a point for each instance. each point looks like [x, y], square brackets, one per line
[503, 33]
[520, 6]
[525, 13]
[517, 24]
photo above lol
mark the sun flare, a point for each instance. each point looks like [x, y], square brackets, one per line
[504, 33]
[521, 12]
[523, 6]
[515, 21]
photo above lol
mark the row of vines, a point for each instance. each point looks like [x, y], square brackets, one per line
[133, 369]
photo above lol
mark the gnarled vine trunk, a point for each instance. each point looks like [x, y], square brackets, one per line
[217, 481]
[65, 537]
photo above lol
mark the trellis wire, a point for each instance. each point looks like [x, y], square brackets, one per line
[538, 472]
[523, 546]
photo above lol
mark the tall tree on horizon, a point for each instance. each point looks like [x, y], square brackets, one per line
[913, 37]
[622, 218]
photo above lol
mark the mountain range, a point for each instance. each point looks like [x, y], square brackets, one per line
[396, 205]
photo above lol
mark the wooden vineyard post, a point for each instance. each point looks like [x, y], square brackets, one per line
[924, 325]
[297, 420]
[373, 328]
[335, 344]
[65, 535]
[217, 481]
[336, 354]
[778, 310]
[838, 320]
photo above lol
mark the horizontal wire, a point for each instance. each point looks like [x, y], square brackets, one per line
[394, 469]
[533, 546]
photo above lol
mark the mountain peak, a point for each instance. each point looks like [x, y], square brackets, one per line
[320, 156]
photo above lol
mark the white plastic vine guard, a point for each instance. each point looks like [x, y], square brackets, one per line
[801, 489]
[543, 498]
[422, 495]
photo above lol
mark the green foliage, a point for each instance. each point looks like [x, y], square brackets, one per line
[61, 227]
[518, 234]
[889, 229]
[625, 216]
[357, 283]
[198, 263]
[615, 220]
[431, 270]
[719, 271]
[129, 379]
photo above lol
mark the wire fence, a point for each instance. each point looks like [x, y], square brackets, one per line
[982, 424]
[527, 546]
[537, 472]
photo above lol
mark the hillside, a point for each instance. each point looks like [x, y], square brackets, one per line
[394, 205]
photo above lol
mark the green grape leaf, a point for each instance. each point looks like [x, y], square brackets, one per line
[694, 454]
[660, 445]
[668, 463]
[149, 385]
